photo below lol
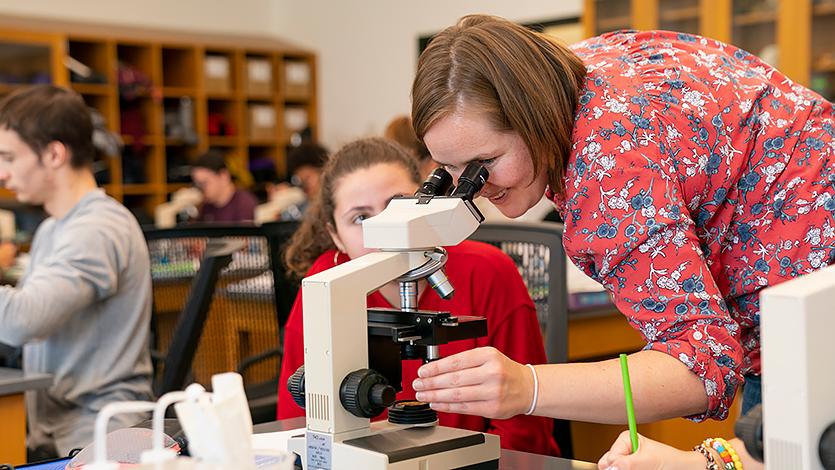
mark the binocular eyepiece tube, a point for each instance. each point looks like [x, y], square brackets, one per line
[439, 182]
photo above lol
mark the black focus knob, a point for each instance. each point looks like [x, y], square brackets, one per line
[826, 448]
[382, 395]
[295, 384]
[366, 393]
[749, 428]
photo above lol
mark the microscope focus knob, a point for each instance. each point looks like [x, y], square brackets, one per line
[383, 395]
[366, 393]
[749, 428]
[295, 385]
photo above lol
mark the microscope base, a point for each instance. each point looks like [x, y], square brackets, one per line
[393, 447]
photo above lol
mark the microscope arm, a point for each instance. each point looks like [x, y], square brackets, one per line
[335, 320]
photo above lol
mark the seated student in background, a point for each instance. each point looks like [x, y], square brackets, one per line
[82, 309]
[304, 166]
[357, 183]
[222, 200]
[304, 169]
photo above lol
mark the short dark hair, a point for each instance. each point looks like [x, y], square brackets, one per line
[306, 154]
[211, 160]
[41, 114]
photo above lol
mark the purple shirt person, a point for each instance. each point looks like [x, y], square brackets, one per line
[241, 207]
[222, 201]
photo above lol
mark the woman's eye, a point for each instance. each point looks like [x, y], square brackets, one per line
[488, 161]
[359, 218]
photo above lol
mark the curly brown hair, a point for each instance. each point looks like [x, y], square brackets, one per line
[313, 238]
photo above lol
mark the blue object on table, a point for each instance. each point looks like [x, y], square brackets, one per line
[59, 464]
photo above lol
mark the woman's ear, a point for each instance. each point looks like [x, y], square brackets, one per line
[335, 237]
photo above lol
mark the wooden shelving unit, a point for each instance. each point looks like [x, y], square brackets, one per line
[264, 78]
[797, 36]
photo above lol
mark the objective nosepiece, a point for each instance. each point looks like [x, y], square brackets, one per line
[441, 284]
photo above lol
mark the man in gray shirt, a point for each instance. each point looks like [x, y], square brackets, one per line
[82, 309]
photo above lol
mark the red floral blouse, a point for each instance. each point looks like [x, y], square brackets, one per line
[699, 175]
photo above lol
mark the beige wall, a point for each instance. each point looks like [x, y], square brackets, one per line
[367, 49]
[236, 16]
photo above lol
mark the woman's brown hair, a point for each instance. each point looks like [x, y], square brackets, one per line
[312, 238]
[522, 81]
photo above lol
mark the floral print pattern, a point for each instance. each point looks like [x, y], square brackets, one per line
[699, 175]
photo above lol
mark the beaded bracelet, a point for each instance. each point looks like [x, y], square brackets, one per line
[711, 463]
[728, 454]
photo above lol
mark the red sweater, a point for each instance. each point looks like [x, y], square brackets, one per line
[487, 284]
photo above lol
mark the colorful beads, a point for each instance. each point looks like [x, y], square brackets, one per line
[711, 462]
[729, 456]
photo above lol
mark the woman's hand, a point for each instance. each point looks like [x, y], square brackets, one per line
[481, 381]
[651, 455]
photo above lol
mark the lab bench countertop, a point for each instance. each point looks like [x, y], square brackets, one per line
[16, 381]
[509, 460]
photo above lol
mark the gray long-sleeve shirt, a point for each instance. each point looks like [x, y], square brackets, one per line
[82, 309]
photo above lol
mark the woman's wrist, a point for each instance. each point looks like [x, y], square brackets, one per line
[521, 394]
[707, 458]
[534, 390]
[696, 460]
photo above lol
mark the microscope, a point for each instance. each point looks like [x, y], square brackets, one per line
[353, 354]
[184, 201]
[795, 426]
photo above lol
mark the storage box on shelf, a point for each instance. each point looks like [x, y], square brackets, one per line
[170, 95]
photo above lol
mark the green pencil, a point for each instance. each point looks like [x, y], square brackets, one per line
[630, 407]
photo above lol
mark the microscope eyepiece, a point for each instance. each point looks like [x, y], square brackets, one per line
[438, 183]
[471, 181]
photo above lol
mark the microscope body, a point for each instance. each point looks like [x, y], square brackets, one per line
[337, 328]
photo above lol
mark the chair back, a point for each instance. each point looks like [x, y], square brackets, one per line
[536, 248]
[252, 300]
[189, 328]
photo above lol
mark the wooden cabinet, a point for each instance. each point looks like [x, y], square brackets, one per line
[171, 96]
[797, 36]
[821, 42]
